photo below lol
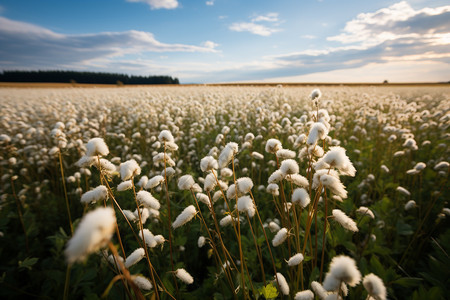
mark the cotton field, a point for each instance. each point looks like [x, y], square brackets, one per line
[201, 192]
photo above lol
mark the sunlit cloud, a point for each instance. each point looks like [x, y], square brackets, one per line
[159, 4]
[270, 17]
[31, 46]
[255, 26]
[210, 3]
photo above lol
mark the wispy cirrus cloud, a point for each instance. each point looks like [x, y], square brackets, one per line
[30, 46]
[159, 4]
[255, 26]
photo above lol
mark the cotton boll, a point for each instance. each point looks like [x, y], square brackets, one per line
[344, 220]
[225, 221]
[257, 155]
[410, 205]
[184, 276]
[226, 172]
[125, 185]
[344, 269]
[142, 282]
[244, 185]
[295, 260]
[273, 145]
[317, 132]
[365, 212]
[274, 227]
[298, 180]
[403, 191]
[315, 94]
[289, 166]
[209, 183]
[334, 185]
[97, 194]
[148, 237]
[154, 182]
[146, 199]
[276, 177]
[93, 233]
[301, 196]
[203, 198]
[304, 295]
[201, 241]
[208, 163]
[280, 237]
[374, 286]
[143, 181]
[129, 169]
[273, 189]
[165, 136]
[129, 215]
[245, 204]
[134, 257]
[284, 286]
[319, 290]
[231, 191]
[168, 172]
[285, 154]
[186, 215]
[186, 182]
[96, 146]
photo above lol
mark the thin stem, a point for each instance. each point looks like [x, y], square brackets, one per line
[267, 240]
[212, 241]
[19, 211]
[324, 237]
[66, 284]
[65, 191]
[258, 251]
[241, 255]
[141, 227]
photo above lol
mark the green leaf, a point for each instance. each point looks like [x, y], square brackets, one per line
[408, 281]
[403, 228]
[269, 291]
[28, 262]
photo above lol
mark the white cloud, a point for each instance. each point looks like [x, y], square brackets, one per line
[270, 17]
[210, 44]
[159, 4]
[210, 3]
[255, 26]
[308, 36]
[394, 22]
[31, 46]
[257, 29]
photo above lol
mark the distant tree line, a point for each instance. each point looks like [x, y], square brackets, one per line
[83, 77]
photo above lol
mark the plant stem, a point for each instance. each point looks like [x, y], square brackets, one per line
[170, 222]
[65, 191]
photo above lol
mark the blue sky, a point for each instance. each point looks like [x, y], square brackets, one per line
[202, 41]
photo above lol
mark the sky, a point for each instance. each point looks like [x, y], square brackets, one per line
[215, 41]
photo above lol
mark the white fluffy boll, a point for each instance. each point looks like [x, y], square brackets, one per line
[280, 237]
[97, 194]
[186, 215]
[245, 204]
[129, 169]
[96, 146]
[184, 276]
[94, 232]
[146, 199]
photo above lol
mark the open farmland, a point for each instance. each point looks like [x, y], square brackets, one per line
[225, 192]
